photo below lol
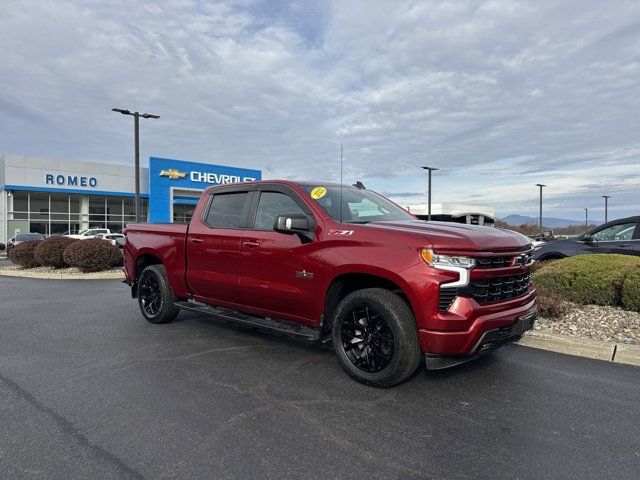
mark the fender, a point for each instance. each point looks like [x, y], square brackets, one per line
[349, 269]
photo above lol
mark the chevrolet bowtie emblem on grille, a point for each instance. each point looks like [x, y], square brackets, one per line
[520, 261]
[173, 174]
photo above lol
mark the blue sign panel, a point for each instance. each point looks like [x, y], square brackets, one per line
[170, 181]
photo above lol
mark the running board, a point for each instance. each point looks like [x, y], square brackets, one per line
[296, 330]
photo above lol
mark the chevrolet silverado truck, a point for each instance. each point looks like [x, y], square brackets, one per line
[340, 265]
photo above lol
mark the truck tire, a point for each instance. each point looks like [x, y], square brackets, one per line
[375, 337]
[155, 296]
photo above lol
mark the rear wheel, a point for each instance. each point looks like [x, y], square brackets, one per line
[155, 296]
[375, 337]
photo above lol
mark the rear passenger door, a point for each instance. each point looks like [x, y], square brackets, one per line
[277, 276]
[213, 247]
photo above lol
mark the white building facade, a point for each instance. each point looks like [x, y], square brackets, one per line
[454, 212]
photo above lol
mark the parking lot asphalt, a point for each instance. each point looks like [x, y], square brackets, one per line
[90, 390]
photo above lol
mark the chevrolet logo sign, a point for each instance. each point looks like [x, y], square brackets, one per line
[173, 174]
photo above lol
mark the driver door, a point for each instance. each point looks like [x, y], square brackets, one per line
[277, 276]
[619, 238]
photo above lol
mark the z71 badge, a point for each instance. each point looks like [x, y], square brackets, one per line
[340, 232]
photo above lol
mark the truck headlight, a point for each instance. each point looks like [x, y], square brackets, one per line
[436, 260]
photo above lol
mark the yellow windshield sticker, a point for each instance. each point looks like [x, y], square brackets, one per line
[318, 192]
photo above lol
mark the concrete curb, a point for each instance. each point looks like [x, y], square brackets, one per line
[63, 276]
[582, 347]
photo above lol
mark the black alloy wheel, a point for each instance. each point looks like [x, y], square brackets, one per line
[375, 337]
[367, 340]
[150, 294]
[155, 296]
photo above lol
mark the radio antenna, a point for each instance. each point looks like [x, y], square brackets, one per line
[340, 182]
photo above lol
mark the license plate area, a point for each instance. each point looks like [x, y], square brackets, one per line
[524, 323]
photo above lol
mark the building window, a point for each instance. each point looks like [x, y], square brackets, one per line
[60, 214]
[182, 213]
[20, 206]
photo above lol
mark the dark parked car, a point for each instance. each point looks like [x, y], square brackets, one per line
[619, 236]
[23, 237]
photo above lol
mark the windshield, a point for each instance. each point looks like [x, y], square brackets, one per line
[82, 232]
[25, 237]
[358, 205]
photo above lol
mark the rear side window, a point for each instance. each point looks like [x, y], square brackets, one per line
[226, 209]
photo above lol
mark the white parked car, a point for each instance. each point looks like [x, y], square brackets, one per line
[115, 238]
[90, 233]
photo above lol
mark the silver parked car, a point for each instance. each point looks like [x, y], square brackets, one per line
[23, 237]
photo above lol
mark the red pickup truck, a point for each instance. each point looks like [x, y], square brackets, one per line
[339, 265]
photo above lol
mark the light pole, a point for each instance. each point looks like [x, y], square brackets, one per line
[136, 135]
[430, 169]
[540, 185]
[586, 218]
[606, 207]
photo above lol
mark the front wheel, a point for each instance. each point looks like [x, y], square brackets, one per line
[155, 296]
[375, 337]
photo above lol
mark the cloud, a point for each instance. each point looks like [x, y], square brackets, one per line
[499, 94]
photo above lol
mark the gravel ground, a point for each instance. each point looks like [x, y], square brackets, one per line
[64, 271]
[595, 322]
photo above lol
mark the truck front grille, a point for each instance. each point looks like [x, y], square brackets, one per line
[496, 289]
[493, 262]
[519, 260]
[499, 288]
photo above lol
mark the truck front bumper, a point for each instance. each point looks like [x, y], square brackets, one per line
[489, 341]
[487, 327]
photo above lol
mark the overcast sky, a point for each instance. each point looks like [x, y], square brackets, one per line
[500, 95]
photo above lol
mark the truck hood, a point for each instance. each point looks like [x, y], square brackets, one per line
[458, 236]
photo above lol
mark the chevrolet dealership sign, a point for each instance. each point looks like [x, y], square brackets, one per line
[205, 177]
[218, 179]
[169, 179]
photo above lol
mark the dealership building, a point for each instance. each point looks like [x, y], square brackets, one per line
[454, 212]
[53, 196]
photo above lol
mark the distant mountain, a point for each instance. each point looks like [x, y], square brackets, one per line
[517, 220]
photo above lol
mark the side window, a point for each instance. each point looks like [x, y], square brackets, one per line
[271, 205]
[225, 210]
[623, 231]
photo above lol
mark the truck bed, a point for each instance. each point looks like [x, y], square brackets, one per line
[165, 241]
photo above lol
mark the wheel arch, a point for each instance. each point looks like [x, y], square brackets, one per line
[142, 261]
[345, 283]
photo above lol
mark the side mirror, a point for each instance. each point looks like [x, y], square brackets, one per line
[588, 238]
[292, 224]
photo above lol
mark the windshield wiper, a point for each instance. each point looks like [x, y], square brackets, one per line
[360, 222]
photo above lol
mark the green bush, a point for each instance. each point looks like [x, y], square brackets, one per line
[93, 255]
[49, 253]
[631, 290]
[589, 279]
[23, 254]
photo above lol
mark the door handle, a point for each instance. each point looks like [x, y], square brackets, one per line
[624, 244]
[196, 241]
[251, 244]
